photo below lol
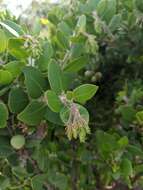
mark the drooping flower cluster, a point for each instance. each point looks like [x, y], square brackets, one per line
[77, 125]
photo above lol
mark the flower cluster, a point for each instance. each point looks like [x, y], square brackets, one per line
[77, 124]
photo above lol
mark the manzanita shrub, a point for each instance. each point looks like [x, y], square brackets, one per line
[71, 111]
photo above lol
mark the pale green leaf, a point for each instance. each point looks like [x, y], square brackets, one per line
[5, 77]
[3, 41]
[16, 48]
[53, 101]
[15, 67]
[84, 92]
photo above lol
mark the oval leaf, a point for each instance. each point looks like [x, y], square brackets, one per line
[33, 114]
[10, 29]
[84, 92]
[38, 181]
[14, 67]
[55, 77]
[17, 28]
[81, 24]
[106, 9]
[16, 48]
[126, 167]
[5, 77]
[17, 100]
[53, 101]
[45, 57]
[76, 64]
[35, 82]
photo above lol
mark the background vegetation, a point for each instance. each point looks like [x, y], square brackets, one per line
[71, 111]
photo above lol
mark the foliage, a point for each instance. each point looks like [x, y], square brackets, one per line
[71, 110]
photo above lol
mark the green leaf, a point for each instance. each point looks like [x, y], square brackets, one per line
[5, 147]
[17, 141]
[76, 64]
[53, 117]
[33, 114]
[15, 67]
[38, 181]
[135, 150]
[59, 180]
[53, 101]
[81, 24]
[106, 9]
[64, 27]
[84, 92]
[18, 171]
[9, 29]
[5, 182]
[5, 77]
[41, 155]
[126, 167]
[17, 100]
[35, 83]
[89, 6]
[123, 142]
[3, 41]
[16, 48]
[128, 113]
[106, 143]
[115, 22]
[17, 28]
[139, 5]
[139, 116]
[55, 77]
[77, 50]
[37, 26]
[4, 90]
[67, 79]
[62, 40]
[45, 57]
[93, 4]
[3, 115]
